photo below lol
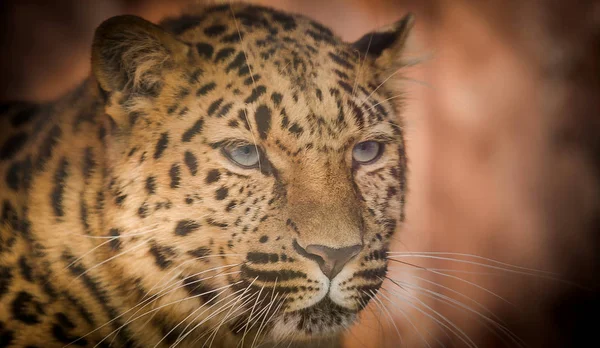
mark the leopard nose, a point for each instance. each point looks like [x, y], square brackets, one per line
[331, 260]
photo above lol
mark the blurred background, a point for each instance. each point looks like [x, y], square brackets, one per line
[503, 127]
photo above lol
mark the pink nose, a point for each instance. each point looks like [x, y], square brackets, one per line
[331, 260]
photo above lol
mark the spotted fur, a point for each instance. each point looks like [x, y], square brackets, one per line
[119, 193]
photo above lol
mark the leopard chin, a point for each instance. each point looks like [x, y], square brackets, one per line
[321, 320]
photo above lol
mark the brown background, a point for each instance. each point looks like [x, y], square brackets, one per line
[503, 125]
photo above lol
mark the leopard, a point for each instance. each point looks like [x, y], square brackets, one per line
[229, 177]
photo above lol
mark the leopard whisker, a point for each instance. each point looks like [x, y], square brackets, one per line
[273, 317]
[379, 303]
[230, 310]
[213, 331]
[454, 303]
[159, 295]
[224, 288]
[122, 314]
[435, 255]
[222, 308]
[107, 260]
[450, 326]
[164, 291]
[250, 317]
[405, 315]
[264, 323]
[266, 313]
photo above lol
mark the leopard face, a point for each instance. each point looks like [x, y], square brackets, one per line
[256, 162]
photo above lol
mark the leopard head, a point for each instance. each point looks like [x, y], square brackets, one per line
[263, 164]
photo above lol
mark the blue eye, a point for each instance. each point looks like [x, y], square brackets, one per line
[246, 156]
[367, 152]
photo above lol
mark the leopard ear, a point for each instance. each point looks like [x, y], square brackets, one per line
[387, 44]
[130, 53]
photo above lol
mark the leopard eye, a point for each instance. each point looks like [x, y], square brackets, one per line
[245, 156]
[367, 152]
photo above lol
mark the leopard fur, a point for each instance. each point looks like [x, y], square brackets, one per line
[123, 223]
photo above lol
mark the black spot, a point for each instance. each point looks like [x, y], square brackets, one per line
[120, 199]
[252, 79]
[237, 62]
[191, 162]
[13, 145]
[64, 321]
[25, 115]
[60, 180]
[242, 116]
[233, 123]
[341, 74]
[26, 270]
[143, 210]
[184, 227]
[175, 175]
[161, 145]
[181, 24]
[193, 78]
[256, 93]
[200, 252]
[215, 30]
[60, 334]
[204, 50]
[261, 258]
[276, 98]
[88, 162]
[115, 242]
[320, 37]
[5, 280]
[6, 336]
[213, 176]
[225, 110]
[288, 22]
[296, 129]
[212, 222]
[358, 114]
[272, 276]
[263, 120]
[223, 54]
[193, 130]
[285, 121]
[214, 106]
[83, 312]
[202, 91]
[233, 38]
[319, 94]
[222, 193]
[161, 255]
[151, 185]
[133, 116]
[263, 239]
[322, 29]
[345, 86]
[13, 175]
[341, 61]
[26, 309]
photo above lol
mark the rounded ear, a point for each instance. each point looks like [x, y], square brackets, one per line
[386, 45]
[129, 53]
